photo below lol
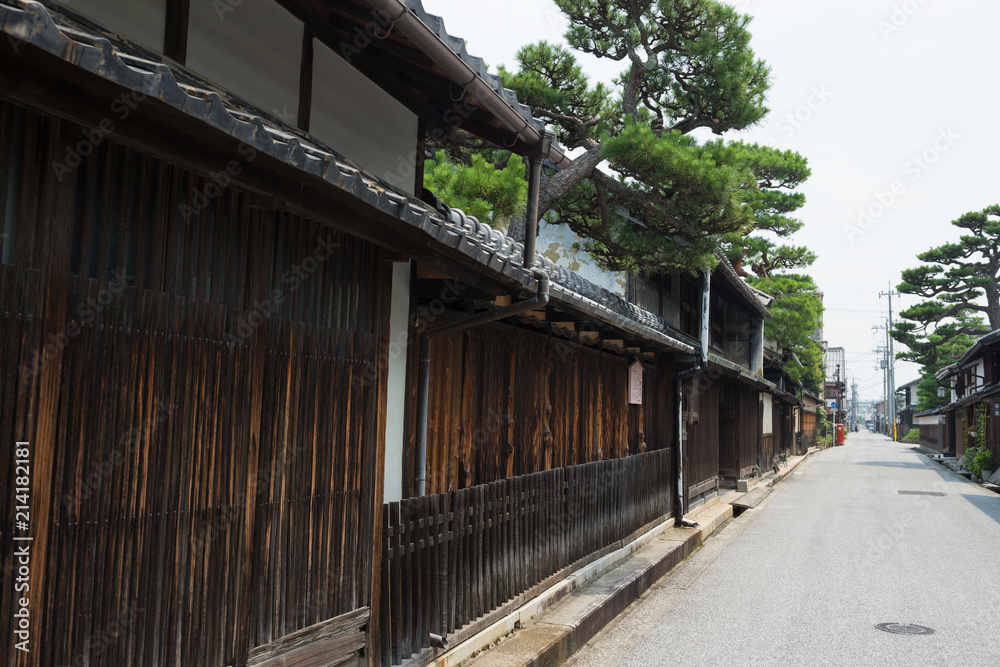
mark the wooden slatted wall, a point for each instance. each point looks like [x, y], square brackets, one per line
[701, 451]
[808, 429]
[729, 431]
[198, 380]
[506, 402]
[750, 431]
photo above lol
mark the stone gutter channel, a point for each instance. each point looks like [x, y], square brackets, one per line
[551, 627]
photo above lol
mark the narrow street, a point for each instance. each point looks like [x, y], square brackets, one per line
[837, 548]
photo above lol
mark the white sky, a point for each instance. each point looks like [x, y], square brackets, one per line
[903, 93]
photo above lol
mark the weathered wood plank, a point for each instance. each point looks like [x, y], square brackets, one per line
[345, 626]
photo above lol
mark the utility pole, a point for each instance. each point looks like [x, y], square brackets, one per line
[892, 365]
[854, 400]
[884, 367]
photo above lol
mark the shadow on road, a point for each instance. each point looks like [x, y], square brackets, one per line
[920, 463]
[891, 464]
[989, 506]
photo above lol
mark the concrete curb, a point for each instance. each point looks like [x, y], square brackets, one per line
[792, 465]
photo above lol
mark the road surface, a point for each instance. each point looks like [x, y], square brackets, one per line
[836, 549]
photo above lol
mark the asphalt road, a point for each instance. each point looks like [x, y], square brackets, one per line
[835, 549]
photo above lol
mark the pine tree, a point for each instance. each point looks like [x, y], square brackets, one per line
[665, 201]
[955, 276]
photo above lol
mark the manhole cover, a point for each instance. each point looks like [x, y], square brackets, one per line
[904, 629]
[921, 493]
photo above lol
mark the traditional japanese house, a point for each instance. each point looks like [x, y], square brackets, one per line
[810, 406]
[933, 426]
[973, 382]
[782, 431]
[906, 396]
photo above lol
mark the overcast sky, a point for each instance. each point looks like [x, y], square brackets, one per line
[894, 103]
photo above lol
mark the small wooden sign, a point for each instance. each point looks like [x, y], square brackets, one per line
[635, 383]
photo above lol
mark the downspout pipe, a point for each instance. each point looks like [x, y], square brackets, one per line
[540, 299]
[534, 185]
[680, 499]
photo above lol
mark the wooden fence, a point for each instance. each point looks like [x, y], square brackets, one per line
[929, 437]
[808, 429]
[453, 558]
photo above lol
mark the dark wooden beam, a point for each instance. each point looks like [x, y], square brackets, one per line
[449, 290]
[175, 34]
[306, 79]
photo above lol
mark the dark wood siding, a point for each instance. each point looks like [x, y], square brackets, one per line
[729, 430]
[200, 383]
[750, 427]
[505, 401]
[701, 451]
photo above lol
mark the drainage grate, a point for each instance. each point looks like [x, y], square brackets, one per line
[904, 629]
[922, 493]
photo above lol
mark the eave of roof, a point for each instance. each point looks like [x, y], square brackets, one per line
[976, 348]
[749, 294]
[985, 392]
[34, 24]
[430, 29]
[741, 373]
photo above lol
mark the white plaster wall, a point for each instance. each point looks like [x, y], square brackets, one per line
[556, 243]
[253, 49]
[396, 395]
[928, 420]
[768, 425]
[143, 21]
[361, 121]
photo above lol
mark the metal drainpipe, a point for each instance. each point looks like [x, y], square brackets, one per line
[679, 502]
[531, 215]
[534, 184]
[424, 379]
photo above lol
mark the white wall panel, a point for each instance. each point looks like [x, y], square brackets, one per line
[142, 21]
[252, 49]
[361, 121]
